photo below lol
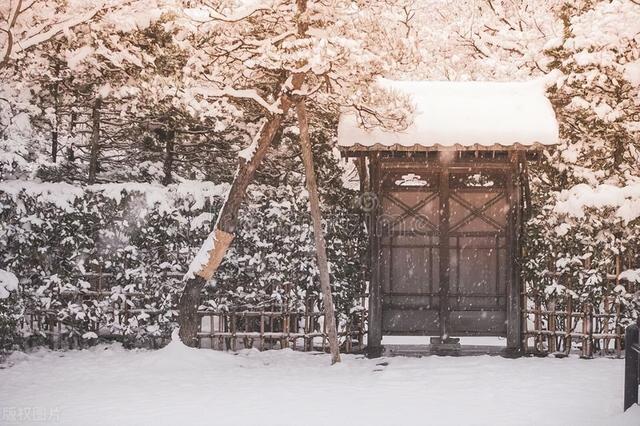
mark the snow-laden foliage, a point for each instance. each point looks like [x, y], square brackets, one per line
[598, 94]
[586, 193]
[8, 283]
[139, 236]
[172, 91]
[580, 242]
[10, 309]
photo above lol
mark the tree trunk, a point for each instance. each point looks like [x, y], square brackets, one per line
[188, 319]
[56, 115]
[321, 246]
[228, 220]
[169, 138]
[54, 145]
[94, 151]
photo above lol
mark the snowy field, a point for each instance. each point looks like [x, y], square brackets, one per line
[108, 385]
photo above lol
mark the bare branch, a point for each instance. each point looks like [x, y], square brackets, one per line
[11, 21]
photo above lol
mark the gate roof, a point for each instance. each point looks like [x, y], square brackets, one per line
[462, 116]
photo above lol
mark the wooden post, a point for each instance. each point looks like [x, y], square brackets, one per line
[514, 291]
[587, 339]
[316, 215]
[631, 362]
[261, 331]
[551, 307]
[538, 325]
[568, 319]
[619, 331]
[374, 333]
[444, 254]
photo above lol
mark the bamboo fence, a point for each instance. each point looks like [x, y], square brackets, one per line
[303, 330]
[66, 333]
[561, 325]
[552, 324]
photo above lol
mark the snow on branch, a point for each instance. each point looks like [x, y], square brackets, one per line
[250, 150]
[273, 108]
[208, 14]
[56, 29]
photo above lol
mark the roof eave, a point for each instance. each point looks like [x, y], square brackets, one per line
[535, 146]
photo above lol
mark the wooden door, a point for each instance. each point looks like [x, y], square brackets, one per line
[478, 235]
[444, 262]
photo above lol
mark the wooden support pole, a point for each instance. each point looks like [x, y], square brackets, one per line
[316, 215]
[374, 333]
[568, 319]
[631, 362]
[443, 292]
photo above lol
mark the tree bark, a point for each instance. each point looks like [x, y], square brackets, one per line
[169, 138]
[228, 220]
[56, 113]
[321, 246]
[94, 152]
[12, 19]
[54, 145]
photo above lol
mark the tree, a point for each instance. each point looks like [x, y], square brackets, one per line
[596, 97]
[325, 50]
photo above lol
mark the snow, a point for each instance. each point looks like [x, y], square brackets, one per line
[63, 195]
[202, 220]
[75, 57]
[625, 200]
[632, 275]
[632, 73]
[464, 114]
[248, 153]
[60, 194]
[108, 385]
[215, 92]
[8, 283]
[90, 335]
[202, 257]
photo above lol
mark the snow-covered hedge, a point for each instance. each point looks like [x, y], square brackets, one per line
[8, 283]
[10, 310]
[582, 239]
[141, 237]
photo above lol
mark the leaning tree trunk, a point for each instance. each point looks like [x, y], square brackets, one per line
[223, 233]
[227, 221]
[318, 235]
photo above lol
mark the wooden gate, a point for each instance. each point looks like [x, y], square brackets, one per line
[445, 263]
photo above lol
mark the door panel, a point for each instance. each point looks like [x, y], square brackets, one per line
[474, 291]
[408, 228]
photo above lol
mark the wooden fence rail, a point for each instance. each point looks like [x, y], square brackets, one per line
[559, 324]
[558, 332]
[551, 325]
[304, 331]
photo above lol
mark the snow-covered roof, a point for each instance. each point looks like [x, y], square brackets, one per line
[462, 115]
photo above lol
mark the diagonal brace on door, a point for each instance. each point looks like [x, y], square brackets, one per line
[413, 210]
[477, 211]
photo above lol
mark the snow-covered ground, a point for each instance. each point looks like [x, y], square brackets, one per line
[178, 385]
